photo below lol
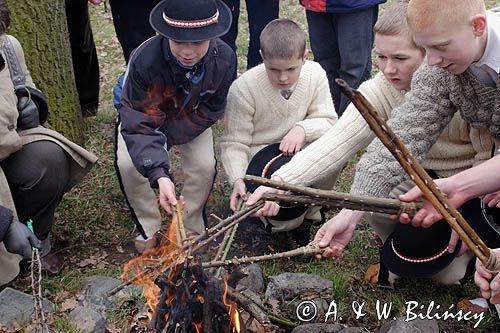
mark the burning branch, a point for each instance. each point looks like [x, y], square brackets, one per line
[313, 196]
[429, 189]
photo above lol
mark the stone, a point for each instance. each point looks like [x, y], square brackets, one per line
[96, 288]
[352, 330]
[18, 306]
[414, 326]
[87, 319]
[301, 297]
[290, 286]
[317, 328]
[254, 279]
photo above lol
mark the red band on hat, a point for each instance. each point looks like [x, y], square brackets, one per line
[268, 165]
[419, 260]
[191, 24]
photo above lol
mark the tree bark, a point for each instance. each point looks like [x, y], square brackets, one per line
[41, 28]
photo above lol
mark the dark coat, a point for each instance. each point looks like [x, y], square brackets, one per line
[163, 105]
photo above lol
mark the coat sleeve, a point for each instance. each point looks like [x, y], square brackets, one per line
[141, 119]
[6, 217]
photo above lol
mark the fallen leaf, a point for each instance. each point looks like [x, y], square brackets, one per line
[69, 304]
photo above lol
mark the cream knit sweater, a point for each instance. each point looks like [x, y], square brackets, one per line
[257, 115]
[459, 147]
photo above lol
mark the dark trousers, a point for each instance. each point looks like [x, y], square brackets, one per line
[260, 13]
[230, 37]
[342, 44]
[38, 176]
[83, 51]
[131, 21]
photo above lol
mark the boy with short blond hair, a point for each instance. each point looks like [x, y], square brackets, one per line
[285, 100]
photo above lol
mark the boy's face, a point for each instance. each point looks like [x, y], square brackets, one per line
[189, 53]
[453, 47]
[283, 73]
[398, 58]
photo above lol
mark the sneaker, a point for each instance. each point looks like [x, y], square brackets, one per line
[52, 263]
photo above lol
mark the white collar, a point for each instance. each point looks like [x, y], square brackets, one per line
[491, 56]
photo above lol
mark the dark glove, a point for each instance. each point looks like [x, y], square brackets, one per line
[28, 112]
[19, 239]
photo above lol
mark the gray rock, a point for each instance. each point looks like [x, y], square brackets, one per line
[96, 288]
[290, 290]
[414, 326]
[317, 328]
[88, 320]
[18, 306]
[288, 286]
[353, 330]
[254, 280]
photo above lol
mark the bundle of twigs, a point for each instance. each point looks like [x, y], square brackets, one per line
[189, 246]
[313, 196]
[417, 173]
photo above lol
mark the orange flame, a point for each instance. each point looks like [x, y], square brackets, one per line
[233, 310]
[154, 258]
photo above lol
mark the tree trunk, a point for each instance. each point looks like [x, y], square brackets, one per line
[41, 29]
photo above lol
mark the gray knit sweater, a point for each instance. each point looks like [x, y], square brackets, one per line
[429, 106]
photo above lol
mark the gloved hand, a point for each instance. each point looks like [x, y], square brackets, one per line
[28, 112]
[19, 239]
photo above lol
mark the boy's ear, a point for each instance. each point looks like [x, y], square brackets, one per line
[479, 24]
[306, 53]
[261, 55]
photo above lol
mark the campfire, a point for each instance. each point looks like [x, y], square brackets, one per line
[185, 294]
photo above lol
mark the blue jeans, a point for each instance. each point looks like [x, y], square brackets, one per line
[342, 44]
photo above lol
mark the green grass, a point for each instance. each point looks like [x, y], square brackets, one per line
[92, 221]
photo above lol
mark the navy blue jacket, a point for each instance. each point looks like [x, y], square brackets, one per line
[339, 6]
[164, 104]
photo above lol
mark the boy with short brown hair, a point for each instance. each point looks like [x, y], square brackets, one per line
[285, 100]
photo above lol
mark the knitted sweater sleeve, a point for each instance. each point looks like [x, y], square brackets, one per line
[238, 131]
[332, 151]
[418, 122]
[321, 113]
[483, 144]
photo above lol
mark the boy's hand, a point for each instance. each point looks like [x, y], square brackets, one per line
[337, 232]
[239, 192]
[428, 215]
[270, 208]
[492, 199]
[488, 282]
[167, 196]
[293, 141]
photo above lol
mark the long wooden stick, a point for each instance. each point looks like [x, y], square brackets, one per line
[310, 249]
[419, 176]
[335, 199]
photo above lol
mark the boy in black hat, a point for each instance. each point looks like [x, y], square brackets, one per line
[285, 100]
[175, 88]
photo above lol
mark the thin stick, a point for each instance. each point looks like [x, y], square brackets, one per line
[250, 307]
[310, 249]
[387, 206]
[417, 174]
[180, 224]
